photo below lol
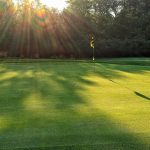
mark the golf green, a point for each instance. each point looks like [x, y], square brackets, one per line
[75, 105]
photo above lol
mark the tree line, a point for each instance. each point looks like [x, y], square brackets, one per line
[29, 29]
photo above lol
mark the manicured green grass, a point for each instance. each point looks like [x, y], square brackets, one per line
[66, 105]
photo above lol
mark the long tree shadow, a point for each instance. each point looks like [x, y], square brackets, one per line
[127, 61]
[142, 96]
[45, 110]
[113, 71]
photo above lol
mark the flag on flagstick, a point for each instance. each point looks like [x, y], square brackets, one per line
[92, 44]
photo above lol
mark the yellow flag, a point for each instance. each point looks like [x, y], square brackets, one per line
[92, 42]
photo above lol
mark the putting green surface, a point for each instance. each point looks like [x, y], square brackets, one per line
[75, 105]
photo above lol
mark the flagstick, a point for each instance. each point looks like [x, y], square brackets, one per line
[92, 46]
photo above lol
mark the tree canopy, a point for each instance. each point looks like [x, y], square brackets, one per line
[33, 30]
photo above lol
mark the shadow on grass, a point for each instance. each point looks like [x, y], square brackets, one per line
[52, 118]
[142, 96]
[127, 61]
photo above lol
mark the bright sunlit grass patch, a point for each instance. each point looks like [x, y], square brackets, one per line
[8, 75]
[4, 123]
[75, 105]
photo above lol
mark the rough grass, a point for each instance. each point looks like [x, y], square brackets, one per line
[65, 105]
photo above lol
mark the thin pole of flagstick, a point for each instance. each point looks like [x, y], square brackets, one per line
[93, 54]
[94, 57]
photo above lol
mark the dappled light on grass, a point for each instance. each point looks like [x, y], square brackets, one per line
[34, 102]
[68, 103]
[116, 101]
[117, 98]
[4, 123]
[8, 75]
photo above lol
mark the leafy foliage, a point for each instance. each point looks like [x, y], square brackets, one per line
[30, 29]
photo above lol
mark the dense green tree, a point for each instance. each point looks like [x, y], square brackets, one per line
[30, 29]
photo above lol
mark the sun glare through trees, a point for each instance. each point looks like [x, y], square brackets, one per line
[58, 4]
[59, 28]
